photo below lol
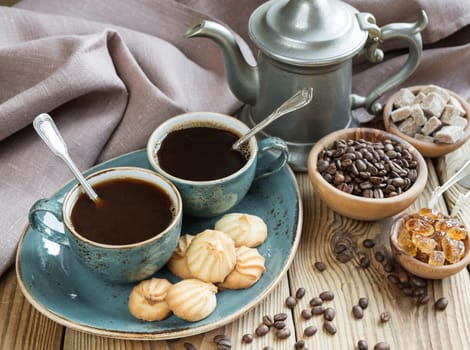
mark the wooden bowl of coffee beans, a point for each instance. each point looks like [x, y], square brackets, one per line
[433, 119]
[366, 174]
[429, 244]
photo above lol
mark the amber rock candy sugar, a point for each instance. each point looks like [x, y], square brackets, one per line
[433, 237]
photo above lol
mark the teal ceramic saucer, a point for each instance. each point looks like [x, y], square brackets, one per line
[59, 287]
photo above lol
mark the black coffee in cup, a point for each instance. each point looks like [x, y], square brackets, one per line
[200, 153]
[129, 211]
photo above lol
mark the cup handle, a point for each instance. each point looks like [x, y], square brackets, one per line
[38, 224]
[266, 168]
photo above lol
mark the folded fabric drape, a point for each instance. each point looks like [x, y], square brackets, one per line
[110, 71]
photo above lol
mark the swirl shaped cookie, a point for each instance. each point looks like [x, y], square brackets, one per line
[178, 263]
[147, 300]
[247, 271]
[192, 299]
[245, 229]
[211, 256]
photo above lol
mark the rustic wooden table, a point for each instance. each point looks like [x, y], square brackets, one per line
[410, 327]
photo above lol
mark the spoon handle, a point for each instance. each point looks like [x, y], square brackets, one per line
[47, 130]
[302, 98]
[461, 173]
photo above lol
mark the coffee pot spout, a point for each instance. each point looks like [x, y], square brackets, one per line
[242, 77]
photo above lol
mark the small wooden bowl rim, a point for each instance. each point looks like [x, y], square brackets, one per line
[349, 134]
[416, 266]
[427, 149]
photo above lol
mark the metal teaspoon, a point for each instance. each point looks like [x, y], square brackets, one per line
[47, 130]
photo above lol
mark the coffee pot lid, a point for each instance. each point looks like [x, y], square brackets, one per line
[307, 32]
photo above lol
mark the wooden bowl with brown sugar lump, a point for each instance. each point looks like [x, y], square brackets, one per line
[356, 202]
[418, 267]
[433, 119]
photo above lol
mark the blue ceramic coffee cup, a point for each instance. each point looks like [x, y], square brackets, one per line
[209, 198]
[116, 263]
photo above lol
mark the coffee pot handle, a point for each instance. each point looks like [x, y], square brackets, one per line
[411, 33]
[39, 223]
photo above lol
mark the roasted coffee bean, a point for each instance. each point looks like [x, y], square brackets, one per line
[189, 346]
[318, 310]
[262, 330]
[385, 316]
[220, 337]
[364, 261]
[403, 276]
[299, 344]
[418, 282]
[327, 295]
[381, 346]
[329, 314]
[379, 256]
[279, 324]
[408, 291]
[224, 345]
[316, 301]
[310, 331]
[368, 243]
[441, 303]
[268, 320]
[363, 302]
[247, 338]
[291, 302]
[357, 311]
[423, 299]
[339, 248]
[418, 292]
[268, 347]
[306, 314]
[393, 279]
[283, 333]
[282, 316]
[322, 165]
[362, 345]
[329, 327]
[344, 257]
[320, 266]
[389, 267]
[300, 293]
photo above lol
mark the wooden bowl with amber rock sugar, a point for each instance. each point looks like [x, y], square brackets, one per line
[430, 244]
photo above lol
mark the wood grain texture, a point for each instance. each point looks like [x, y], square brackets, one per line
[21, 326]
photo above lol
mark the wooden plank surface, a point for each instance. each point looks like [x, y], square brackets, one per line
[410, 327]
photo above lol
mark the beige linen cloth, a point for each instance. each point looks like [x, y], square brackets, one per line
[110, 71]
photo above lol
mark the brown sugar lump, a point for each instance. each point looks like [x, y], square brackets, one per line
[178, 264]
[442, 93]
[192, 299]
[400, 114]
[448, 134]
[244, 229]
[403, 98]
[431, 125]
[433, 104]
[409, 127]
[424, 138]
[147, 300]
[417, 114]
[450, 114]
[211, 256]
[248, 269]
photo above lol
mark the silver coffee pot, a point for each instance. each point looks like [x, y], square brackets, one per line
[309, 43]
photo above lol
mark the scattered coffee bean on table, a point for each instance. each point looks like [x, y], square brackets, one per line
[364, 302]
[379, 256]
[291, 302]
[364, 261]
[268, 320]
[362, 345]
[329, 327]
[269, 347]
[282, 316]
[300, 293]
[279, 324]
[320, 266]
[329, 314]
[283, 333]
[368, 243]
[219, 337]
[310, 330]
[316, 301]
[299, 344]
[357, 311]
[441, 303]
[385, 316]
[382, 346]
[423, 299]
[318, 309]
[247, 338]
[327, 295]
[306, 314]
[189, 346]
[262, 330]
